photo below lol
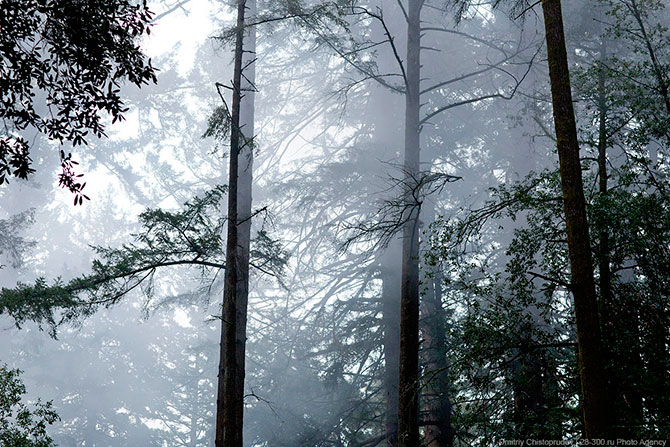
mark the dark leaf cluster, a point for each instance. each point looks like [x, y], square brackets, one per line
[21, 426]
[63, 62]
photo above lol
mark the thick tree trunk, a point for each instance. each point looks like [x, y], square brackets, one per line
[391, 321]
[591, 362]
[408, 423]
[230, 395]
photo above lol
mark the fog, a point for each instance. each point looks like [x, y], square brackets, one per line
[113, 308]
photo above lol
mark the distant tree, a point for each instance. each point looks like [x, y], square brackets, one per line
[640, 74]
[439, 96]
[21, 426]
[63, 64]
[12, 245]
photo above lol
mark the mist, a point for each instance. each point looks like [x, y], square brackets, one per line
[437, 223]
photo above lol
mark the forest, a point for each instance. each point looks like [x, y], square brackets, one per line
[336, 223]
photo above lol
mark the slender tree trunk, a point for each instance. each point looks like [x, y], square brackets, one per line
[244, 200]
[658, 69]
[605, 278]
[591, 362]
[383, 108]
[230, 401]
[408, 423]
[391, 321]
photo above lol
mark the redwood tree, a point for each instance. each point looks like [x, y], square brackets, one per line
[589, 339]
[408, 406]
[230, 396]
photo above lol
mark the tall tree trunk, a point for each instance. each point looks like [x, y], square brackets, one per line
[244, 200]
[383, 108]
[230, 394]
[591, 362]
[408, 423]
[436, 405]
[391, 321]
[605, 278]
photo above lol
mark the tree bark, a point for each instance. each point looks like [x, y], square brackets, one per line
[591, 362]
[408, 422]
[244, 201]
[230, 394]
[605, 274]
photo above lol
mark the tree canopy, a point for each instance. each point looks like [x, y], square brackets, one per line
[62, 65]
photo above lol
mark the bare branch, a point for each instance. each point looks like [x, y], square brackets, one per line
[379, 16]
